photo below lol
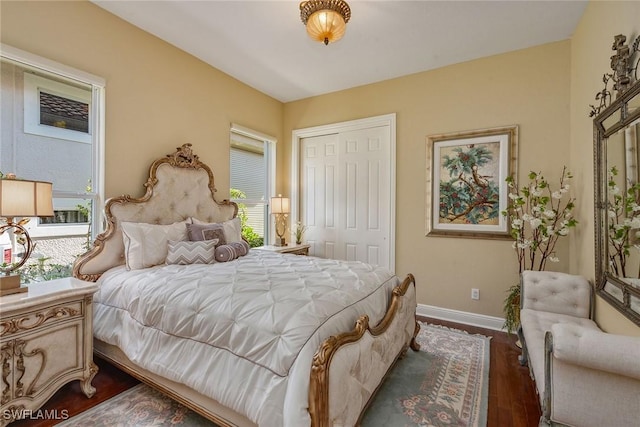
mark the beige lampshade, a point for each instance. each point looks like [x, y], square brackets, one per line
[22, 198]
[279, 205]
[326, 26]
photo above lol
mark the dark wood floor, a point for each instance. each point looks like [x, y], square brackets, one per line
[512, 398]
[70, 400]
[513, 401]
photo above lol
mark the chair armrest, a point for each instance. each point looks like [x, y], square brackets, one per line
[616, 354]
[559, 293]
[592, 378]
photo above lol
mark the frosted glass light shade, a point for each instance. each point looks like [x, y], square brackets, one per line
[326, 26]
[326, 20]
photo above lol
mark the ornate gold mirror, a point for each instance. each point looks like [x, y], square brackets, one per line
[617, 182]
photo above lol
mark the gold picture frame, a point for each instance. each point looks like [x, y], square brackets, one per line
[466, 188]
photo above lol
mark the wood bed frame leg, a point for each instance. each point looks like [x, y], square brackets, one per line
[414, 344]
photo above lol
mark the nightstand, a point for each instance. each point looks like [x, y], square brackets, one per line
[290, 249]
[46, 340]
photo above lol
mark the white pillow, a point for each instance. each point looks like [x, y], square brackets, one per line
[145, 245]
[232, 229]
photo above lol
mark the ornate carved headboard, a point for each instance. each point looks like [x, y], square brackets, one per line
[179, 187]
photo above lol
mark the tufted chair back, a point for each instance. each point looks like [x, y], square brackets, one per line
[556, 292]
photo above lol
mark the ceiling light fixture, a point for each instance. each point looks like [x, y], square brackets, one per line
[326, 20]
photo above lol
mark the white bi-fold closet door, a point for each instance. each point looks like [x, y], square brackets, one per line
[347, 195]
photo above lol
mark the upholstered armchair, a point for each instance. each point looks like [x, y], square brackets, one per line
[584, 377]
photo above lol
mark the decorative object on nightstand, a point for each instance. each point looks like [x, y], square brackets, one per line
[280, 208]
[46, 341]
[300, 229]
[24, 199]
[291, 249]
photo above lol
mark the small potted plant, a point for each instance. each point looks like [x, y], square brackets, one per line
[539, 216]
[299, 232]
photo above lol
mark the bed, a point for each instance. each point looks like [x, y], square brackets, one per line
[255, 338]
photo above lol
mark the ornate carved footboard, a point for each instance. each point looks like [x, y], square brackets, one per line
[347, 369]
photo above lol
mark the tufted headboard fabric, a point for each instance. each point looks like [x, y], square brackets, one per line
[179, 187]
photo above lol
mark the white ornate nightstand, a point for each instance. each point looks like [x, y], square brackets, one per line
[290, 249]
[46, 340]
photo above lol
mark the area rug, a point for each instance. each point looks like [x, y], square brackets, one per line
[446, 383]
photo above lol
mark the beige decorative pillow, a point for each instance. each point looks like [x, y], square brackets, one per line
[232, 229]
[186, 252]
[145, 245]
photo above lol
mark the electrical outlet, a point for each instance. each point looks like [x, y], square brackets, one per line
[475, 293]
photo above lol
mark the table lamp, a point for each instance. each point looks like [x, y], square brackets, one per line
[23, 199]
[280, 208]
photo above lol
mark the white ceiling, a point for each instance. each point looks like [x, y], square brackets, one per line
[264, 44]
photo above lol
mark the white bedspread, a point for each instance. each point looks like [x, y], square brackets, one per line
[243, 332]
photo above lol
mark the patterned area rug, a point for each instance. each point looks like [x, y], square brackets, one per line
[444, 384]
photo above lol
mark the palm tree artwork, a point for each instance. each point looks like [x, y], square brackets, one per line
[469, 189]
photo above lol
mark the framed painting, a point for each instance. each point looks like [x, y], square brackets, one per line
[466, 182]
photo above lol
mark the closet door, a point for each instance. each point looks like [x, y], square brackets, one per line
[318, 194]
[346, 194]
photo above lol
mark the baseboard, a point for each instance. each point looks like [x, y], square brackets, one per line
[466, 318]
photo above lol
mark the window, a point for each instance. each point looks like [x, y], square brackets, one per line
[252, 168]
[56, 109]
[52, 121]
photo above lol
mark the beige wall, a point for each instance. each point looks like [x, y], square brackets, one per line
[590, 53]
[529, 88]
[157, 97]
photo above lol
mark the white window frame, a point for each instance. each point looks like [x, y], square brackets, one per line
[97, 135]
[33, 85]
[270, 144]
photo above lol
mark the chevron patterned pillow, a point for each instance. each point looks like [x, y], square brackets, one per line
[185, 252]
